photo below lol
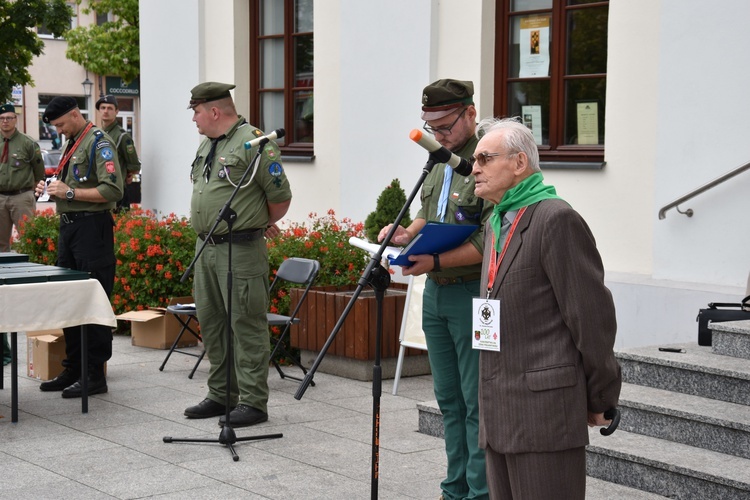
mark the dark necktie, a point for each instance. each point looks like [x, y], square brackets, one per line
[4, 158]
[210, 156]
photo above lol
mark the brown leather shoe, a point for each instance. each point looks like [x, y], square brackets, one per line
[205, 409]
[245, 416]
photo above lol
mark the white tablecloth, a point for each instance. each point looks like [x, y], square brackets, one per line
[54, 304]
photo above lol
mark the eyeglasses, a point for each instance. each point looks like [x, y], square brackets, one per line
[444, 130]
[483, 158]
[7, 118]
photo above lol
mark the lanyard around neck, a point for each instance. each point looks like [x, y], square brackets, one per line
[69, 152]
[494, 259]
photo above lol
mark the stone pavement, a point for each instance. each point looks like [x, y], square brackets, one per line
[116, 450]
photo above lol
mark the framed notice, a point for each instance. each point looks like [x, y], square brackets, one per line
[534, 46]
[587, 114]
[532, 118]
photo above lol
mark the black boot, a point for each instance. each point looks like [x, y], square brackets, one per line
[97, 385]
[66, 378]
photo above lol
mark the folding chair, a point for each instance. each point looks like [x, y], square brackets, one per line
[302, 272]
[411, 334]
[179, 311]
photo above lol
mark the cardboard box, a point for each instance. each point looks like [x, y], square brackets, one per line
[45, 353]
[157, 329]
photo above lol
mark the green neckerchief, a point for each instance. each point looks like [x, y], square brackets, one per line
[527, 192]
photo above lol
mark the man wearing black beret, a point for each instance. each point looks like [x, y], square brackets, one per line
[86, 187]
[129, 162]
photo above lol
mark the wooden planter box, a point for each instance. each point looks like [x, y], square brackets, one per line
[356, 338]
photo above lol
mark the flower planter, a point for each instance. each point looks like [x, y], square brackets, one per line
[356, 338]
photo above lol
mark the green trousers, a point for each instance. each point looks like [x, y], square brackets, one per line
[447, 324]
[251, 344]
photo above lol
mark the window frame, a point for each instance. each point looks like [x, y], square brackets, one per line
[556, 154]
[290, 149]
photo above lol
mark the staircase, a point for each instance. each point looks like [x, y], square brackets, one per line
[685, 428]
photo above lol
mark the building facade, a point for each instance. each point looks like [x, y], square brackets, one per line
[661, 114]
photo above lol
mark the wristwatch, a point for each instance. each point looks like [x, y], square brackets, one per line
[70, 194]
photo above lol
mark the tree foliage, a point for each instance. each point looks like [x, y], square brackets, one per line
[112, 48]
[19, 43]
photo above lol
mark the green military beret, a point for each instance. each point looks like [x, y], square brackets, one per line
[443, 97]
[59, 106]
[7, 108]
[209, 91]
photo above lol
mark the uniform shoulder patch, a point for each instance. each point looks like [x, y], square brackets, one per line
[107, 154]
[275, 169]
[257, 133]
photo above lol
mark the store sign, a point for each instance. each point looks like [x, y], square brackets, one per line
[116, 86]
[17, 95]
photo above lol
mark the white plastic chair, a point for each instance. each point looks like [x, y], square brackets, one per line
[411, 334]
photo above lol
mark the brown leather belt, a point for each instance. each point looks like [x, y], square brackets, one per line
[237, 236]
[454, 281]
[17, 191]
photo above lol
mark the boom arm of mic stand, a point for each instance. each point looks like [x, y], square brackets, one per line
[363, 280]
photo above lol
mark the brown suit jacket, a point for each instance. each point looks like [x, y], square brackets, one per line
[557, 331]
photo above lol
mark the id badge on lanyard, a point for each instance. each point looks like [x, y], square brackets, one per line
[486, 311]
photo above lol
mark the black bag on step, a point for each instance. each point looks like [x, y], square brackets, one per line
[734, 312]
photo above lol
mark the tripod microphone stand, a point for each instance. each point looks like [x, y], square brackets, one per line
[377, 277]
[227, 436]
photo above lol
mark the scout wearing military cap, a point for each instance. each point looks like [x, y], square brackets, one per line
[58, 107]
[7, 108]
[443, 97]
[107, 99]
[447, 107]
[209, 91]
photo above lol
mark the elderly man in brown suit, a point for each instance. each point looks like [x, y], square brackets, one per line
[552, 369]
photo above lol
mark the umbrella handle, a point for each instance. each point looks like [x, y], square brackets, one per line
[612, 414]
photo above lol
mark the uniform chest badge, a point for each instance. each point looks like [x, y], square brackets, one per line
[222, 173]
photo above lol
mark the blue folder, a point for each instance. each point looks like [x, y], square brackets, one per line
[435, 237]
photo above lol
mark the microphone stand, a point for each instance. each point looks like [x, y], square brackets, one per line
[227, 436]
[377, 277]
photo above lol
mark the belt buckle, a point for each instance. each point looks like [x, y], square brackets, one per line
[64, 217]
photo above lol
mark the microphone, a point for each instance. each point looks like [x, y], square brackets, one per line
[441, 154]
[276, 134]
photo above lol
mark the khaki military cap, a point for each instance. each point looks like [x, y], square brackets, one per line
[209, 91]
[443, 97]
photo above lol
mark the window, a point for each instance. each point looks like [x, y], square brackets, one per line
[551, 71]
[281, 74]
[43, 32]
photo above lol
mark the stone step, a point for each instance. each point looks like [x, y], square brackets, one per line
[731, 338]
[705, 423]
[697, 371]
[666, 468]
[431, 423]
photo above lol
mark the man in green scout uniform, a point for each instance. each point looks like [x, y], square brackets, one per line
[88, 184]
[449, 113]
[262, 199]
[21, 167]
[126, 154]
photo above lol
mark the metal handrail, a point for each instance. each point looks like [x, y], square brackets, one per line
[702, 189]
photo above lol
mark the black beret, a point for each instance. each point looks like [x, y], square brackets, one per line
[7, 108]
[209, 91]
[107, 99]
[59, 106]
[443, 97]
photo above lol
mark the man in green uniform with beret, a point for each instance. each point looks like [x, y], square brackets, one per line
[453, 280]
[86, 188]
[21, 167]
[263, 198]
[126, 153]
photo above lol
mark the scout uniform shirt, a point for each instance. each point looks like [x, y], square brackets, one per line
[94, 164]
[125, 148]
[24, 167]
[464, 207]
[213, 184]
